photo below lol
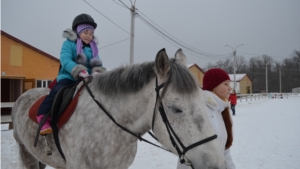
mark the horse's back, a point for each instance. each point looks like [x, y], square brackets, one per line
[25, 101]
[22, 105]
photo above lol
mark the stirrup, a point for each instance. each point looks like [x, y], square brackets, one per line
[48, 149]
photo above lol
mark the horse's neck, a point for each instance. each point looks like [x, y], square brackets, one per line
[132, 110]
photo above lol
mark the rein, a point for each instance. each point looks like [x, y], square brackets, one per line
[170, 130]
[120, 126]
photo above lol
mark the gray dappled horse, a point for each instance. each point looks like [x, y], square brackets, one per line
[90, 140]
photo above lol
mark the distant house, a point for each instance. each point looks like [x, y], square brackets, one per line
[197, 72]
[23, 67]
[243, 83]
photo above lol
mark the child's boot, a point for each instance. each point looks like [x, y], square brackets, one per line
[46, 128]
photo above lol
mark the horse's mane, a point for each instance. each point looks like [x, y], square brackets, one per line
[131, 79]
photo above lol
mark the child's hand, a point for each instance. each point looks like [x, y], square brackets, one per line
[83, 74]
[95, 72]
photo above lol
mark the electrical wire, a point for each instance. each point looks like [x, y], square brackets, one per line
[191, 51]
[206, 53]
[120, 4]
[178, 45]
[114, 43]
[106, 17]
[125, 5]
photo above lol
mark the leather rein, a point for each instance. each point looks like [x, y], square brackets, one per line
[181, 153]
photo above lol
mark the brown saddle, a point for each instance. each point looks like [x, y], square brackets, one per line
[63, 118]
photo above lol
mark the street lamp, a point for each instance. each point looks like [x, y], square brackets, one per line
[234, 61]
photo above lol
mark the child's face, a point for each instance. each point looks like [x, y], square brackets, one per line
[86, 36]
[223, 90]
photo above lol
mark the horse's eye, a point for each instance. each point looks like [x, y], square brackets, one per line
[176, 110]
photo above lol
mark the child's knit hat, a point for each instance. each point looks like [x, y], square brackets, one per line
[213, 77]
[80, 29]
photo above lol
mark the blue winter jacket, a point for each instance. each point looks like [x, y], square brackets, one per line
[68, 57]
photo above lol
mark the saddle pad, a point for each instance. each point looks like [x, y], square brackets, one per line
[64, 116]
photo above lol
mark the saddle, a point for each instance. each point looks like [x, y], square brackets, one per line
[63, 105]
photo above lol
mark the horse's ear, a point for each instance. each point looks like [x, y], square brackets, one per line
[179, 56]
[162, 63]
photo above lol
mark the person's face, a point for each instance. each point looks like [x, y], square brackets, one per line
[86, 36]
[223, 90]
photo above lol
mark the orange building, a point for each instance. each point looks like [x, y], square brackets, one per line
[24, 67]
[197, 72]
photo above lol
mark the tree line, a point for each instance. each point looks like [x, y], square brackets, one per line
[288, 70]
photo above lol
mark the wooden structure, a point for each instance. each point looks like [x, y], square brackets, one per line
[197, 72]
[243, 83]
[23, 67]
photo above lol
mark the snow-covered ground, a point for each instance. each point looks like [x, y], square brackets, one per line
[267, 135]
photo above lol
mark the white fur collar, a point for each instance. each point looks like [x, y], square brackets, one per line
[71, 35]
[214, 102]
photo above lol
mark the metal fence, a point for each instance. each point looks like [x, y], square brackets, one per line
[261, 96]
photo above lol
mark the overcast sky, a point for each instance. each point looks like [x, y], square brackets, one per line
[269, 27]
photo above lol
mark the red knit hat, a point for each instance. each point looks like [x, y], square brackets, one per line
[213, 77]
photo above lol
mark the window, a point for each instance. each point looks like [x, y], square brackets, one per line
[43, 83]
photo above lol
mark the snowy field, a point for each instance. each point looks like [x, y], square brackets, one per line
[266, 135]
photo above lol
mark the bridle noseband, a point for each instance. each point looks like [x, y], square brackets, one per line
[170, 130]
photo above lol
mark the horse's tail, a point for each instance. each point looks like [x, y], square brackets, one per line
[27, 160]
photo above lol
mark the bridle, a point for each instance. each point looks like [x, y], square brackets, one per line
[181, 153]
[169, 128]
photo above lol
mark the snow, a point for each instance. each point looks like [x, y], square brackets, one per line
[266, 135]
[238, 77]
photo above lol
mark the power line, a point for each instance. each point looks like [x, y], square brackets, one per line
[197, 50]
[124, 4]
[206, 55]
[172, 41]
[120, 4]
[180, 44]
[106, 17]
[114, 43]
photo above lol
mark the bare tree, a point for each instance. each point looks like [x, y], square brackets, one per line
[241, 64]
[255, 68]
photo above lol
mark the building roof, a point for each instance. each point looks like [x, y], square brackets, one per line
[238, 77]
[29, 46]
[190, 65]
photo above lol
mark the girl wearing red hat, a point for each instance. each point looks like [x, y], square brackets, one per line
[216, 86]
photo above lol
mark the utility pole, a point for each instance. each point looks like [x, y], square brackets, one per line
[267, 77]
[280, 80]
[234, 62]
[132, 10]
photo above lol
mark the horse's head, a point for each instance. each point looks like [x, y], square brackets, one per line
[182, 107]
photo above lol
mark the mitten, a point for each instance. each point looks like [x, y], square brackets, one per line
[83, 74]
